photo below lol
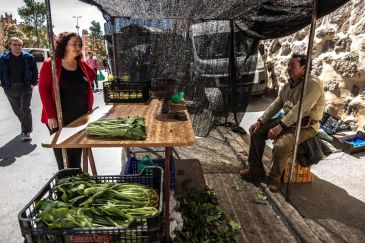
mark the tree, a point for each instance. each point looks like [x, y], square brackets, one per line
[97, 43]
[11, 30]
[34, 16]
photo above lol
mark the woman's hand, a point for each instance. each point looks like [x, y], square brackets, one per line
[52, 123]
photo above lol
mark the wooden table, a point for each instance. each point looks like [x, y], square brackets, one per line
[162, 131]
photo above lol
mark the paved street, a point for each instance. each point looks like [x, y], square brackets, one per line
[25, 167]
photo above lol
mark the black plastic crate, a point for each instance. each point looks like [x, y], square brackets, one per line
[151, 231]
[330, 124]
[132, 168]
[118, 91]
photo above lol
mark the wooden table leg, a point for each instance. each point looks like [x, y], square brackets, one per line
[66, 163]
[168, 154]
[128, 152]
[92, 162]
[85, 167]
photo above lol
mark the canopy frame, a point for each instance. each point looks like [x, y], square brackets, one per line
[55, 77]
[300, 110]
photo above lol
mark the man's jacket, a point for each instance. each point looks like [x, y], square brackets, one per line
[313, 103]
[30, 70]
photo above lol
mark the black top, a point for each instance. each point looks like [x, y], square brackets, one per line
[73, 90]
[16, 70]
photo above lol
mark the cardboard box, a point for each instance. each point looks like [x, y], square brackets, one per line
[350, 143]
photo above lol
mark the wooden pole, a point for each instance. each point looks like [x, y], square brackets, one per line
[300, 110]
[54, 75]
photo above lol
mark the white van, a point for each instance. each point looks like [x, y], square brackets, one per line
[210, 50]
[40, 54]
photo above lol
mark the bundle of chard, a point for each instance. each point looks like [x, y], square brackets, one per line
[124, 127]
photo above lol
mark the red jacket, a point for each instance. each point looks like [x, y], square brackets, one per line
[46, 90]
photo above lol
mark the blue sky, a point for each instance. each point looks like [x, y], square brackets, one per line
[62, 12]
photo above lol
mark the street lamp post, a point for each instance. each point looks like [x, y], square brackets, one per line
[77, 23]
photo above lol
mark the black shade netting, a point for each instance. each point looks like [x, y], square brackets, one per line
[194, 57]
[208, 49]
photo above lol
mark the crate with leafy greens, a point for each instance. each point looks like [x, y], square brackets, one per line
[114, 208]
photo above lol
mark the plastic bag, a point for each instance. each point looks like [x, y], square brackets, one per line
[177, 97]
[101, 76]
[145, 161]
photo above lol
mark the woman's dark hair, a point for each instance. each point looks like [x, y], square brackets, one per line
[61, 43]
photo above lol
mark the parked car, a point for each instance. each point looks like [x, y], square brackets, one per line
[40, 54]
[209, 42]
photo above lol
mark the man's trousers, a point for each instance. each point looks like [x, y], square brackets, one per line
[283, 147]
[19, 99]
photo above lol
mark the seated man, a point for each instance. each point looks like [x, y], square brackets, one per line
[282, 129]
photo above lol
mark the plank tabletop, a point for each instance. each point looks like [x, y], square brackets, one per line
[162, 129]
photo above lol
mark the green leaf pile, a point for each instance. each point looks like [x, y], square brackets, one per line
[203, 218]
[82, 202]
[123, 127]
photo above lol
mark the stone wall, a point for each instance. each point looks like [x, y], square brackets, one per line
[338, 60]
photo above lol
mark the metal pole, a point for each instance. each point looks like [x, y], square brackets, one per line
[300, 112]
[77, 23]
[54, 75]
[168, 155]
[112, 19]
[232, 69]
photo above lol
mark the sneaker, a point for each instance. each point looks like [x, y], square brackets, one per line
[26, 137]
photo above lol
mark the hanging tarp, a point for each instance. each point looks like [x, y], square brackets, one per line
[260, 18]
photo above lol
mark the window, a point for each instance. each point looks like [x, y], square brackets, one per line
[216, 46]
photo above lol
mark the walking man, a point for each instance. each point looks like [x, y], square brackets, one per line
[282, 129]
[93, 63]
[18, 76]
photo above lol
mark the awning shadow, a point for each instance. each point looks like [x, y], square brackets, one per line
[331, 208]
[15, 148]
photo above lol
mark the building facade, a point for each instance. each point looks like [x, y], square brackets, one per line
[4, 21]
[85, 41]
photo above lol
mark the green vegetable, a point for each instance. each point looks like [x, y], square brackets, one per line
[84, 203]
[203, 219]
[236, 187]
[124, 127]
[262, 196]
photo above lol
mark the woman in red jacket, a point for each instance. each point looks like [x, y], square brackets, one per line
[75, 85]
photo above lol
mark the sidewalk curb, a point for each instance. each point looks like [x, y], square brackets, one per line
[290, 216]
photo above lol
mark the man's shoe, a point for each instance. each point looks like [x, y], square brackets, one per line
[252, 172]
[26, 137]
[275, 184]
